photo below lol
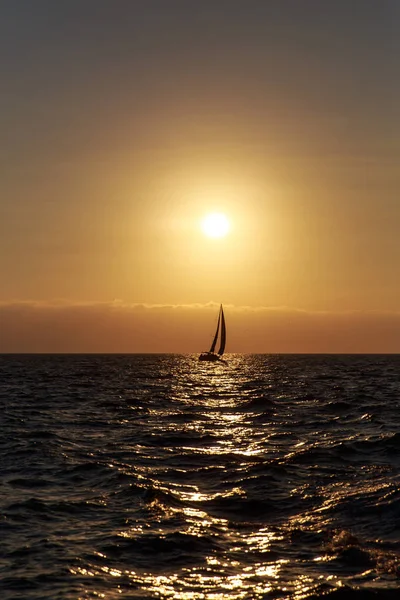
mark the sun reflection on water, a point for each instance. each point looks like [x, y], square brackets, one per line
[242, 558]
[215, 581]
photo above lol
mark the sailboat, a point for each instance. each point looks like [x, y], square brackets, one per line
[211, 355]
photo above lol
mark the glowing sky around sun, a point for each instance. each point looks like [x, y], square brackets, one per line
[125, 124]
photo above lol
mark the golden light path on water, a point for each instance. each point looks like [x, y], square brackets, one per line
[241, 563]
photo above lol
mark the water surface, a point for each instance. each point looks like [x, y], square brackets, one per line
[158, 476]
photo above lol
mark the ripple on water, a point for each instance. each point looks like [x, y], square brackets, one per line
[157, 476]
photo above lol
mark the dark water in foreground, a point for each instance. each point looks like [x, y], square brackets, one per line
[159, 476]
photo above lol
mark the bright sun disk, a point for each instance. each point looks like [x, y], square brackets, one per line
[215, 225]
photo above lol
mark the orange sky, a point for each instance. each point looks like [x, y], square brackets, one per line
[122, 128]
[115, 327]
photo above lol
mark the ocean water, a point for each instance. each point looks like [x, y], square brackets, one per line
[158, 476]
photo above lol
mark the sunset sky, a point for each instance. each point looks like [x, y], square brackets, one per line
[124, 122]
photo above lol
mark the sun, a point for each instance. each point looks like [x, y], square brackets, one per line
[215, 225]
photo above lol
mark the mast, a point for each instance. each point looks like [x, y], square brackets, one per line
[223, 333]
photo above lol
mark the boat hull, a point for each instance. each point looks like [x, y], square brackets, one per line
[209, 356]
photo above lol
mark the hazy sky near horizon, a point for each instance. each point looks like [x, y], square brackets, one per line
[124, 122]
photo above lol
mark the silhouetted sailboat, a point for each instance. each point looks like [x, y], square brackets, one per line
[211, 355]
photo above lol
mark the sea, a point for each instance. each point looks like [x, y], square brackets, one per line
[159, 476]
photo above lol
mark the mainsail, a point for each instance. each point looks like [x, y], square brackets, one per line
[212, 349]
[223, 332]
[211, 355]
